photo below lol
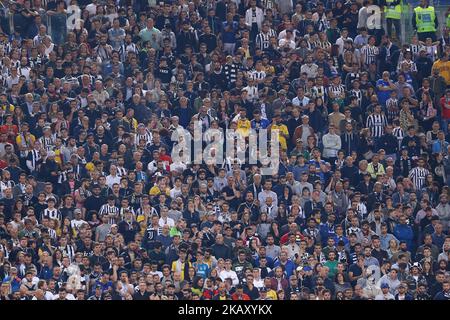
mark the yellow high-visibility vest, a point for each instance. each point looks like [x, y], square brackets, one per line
[425, 19]
[393, 12]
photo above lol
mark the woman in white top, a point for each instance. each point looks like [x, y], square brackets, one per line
[48, 46]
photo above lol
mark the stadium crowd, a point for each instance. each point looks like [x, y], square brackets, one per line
[92, 207]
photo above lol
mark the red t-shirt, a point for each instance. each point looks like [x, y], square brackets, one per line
[3, 164]
[445, 105]
[11, 130]
[167, 161]
[234, 296]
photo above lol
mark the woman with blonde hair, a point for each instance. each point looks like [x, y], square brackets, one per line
[393, 248]
[149, 83]
[5, 291]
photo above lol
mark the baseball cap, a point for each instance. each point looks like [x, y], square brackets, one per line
[384, 286]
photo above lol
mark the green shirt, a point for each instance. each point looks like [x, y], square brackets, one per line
[151, 35]
[174, 231]
[332, 265]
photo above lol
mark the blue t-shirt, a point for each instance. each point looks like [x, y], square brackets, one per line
[202, 270]
[383, 95]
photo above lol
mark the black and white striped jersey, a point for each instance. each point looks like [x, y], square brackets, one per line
[263, 39]
[147, 137]
[392, 109]
[111, 211]
[51, 214]
[68, 251]
[376, 123]
[370, 53]
[418, 176]
[33, 160]
[415, 48]
[336, 90]
[358, 94]
[47, 142]
[399, 134]
[121, 171]
[52, 233]
[258, 75]
[230, 71]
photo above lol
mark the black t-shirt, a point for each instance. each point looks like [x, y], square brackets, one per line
[253, 294]
[234, 203]
[164, 74]
[380, 255]
[139, 296]
[357, 271]
[51, 5]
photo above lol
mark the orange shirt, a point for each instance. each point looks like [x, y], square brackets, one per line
[444, 69]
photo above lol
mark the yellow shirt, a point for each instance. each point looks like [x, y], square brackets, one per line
[29, 141]
[8, 108]
[58, 158]
[178, 267]
[243, 127]
[444, 69]
[283, 129]
[90, 166]
[133, 123]
[155, 190]
[246, 52]
[272, 294]
[269, 70]
[140, 218]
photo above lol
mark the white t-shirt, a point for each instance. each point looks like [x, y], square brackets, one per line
[388, 296]
[169, 221]
[69, 296]
[110, 180]
[175, 192]
[76, 223]
[224, 274]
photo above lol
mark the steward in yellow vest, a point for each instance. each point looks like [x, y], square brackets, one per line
[424, 20]
[393, 13]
